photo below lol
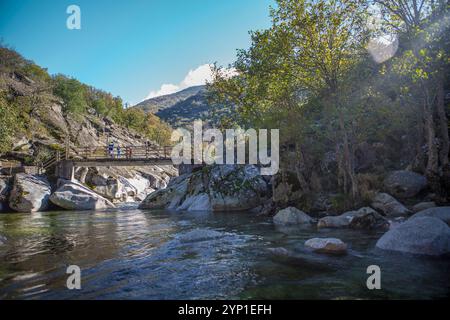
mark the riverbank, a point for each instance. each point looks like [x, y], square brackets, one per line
[419, 228]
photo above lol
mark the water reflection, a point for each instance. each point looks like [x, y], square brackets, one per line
[134, 254]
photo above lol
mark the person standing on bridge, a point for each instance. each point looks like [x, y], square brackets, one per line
[118, 151]
[111, 149]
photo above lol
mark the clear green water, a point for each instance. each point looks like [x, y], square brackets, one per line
[135, 254]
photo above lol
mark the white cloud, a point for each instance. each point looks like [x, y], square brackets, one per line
[195, 77]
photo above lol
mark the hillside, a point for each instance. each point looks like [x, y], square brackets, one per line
[44, 111]
[180, 109]
[39, 113]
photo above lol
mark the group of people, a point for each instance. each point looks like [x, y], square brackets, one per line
[128, 151]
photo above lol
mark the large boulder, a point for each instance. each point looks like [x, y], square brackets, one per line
[216, 188]
[423, 206]
[74, 196]
[198, 202]
[389, 205]
[30, 193]
[326, 245]
[442, 213]
[369, 220]
[169, 198]
[421, 235]
[291, 216]
[236, 188]
[364, 218]
[125, 184]
[404, 184]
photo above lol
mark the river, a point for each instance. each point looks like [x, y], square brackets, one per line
[141, 254]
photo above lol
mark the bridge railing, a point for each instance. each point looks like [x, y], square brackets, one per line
[99, 153]
[125, 152]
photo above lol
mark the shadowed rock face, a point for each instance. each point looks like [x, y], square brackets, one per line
[30, 193]
[5, 189]
[216, 188]
[420, 235]
[404, 184]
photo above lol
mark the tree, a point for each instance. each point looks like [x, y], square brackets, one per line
[72, 92]
[303, 58]
[7, 125]
[424, 62]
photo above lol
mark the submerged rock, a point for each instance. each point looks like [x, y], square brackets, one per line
[442, 213]
[404, 184]
[326, 245]
[30, 193]
[200, 235]
[364, 218]
[291, 216]
[389, 205]
[421, 235]
[73, 196]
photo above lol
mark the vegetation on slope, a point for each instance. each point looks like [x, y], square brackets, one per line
[35, 87]
[346, 111]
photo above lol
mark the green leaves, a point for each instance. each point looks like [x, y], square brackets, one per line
[72, 92]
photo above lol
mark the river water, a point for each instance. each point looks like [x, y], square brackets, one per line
[142, 254]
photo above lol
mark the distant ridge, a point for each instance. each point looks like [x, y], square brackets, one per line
[156, 104]
[180, 109]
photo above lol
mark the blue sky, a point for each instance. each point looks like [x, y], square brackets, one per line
[131, 48]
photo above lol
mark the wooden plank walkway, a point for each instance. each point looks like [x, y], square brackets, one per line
[104, 156]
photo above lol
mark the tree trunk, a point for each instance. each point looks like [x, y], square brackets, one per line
[300, 169]
[443, 124]
[432, 163]
[348, 159]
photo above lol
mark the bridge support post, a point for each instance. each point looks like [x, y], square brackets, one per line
[65, 170]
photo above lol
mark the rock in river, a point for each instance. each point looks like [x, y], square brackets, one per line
[291, 216]
[442, 213]
[420, 235]
[364, 218]
[74, 196]
[326, 245]
[423, 206]
[389, 206]
[30, 193]
[216, 188]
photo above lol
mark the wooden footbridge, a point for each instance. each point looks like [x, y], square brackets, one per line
[66, 162]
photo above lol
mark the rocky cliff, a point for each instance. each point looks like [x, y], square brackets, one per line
[38, 122]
